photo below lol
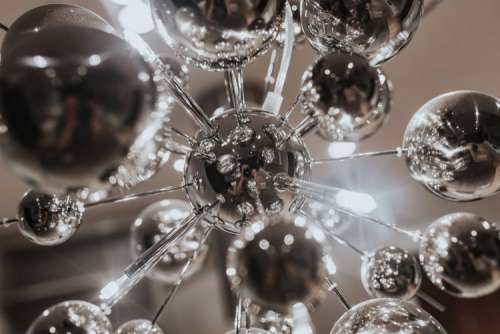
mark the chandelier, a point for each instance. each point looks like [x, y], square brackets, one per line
[85, 116]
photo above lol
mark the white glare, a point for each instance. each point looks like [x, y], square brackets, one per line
[109, 290]
[179, 165]
[136, 17]
[357, 202]
[341, 149]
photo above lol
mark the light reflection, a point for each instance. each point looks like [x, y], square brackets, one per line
[355, 201]
[341, 149]
[136, 16]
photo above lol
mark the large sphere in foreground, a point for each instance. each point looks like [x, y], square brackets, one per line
[277, 263]
[375, 29]
[460, 253]
[387, 316]
[72, 103]
[240, 165]
[75, 317]
[452, 145]
[217, 35]
[139, 327]
[349, 98]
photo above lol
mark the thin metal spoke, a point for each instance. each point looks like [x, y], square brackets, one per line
[399, 152]
[8, 221]
[431, 301]
[4, 27]
[333, 287]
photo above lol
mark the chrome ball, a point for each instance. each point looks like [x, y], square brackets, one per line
[71, 317]
[452, 146]
[217, 35]
[232, 166]
[387, 316]
[391, 272]
[72, 106]
[349, 98]
[374, 29]
[460, 254]
[139, 327]
[48, 220]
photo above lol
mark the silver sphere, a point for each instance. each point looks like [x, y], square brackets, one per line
[277, 263]
[71, 317]
[217, 35]
[153, 223]
[139, 327]
[375, 29]
[72, 103]
[387, 316]
[460, 254]
[49, 16]
[48, 220]
[391, 272]
[349, 98]
[239, 166]
[452, 146]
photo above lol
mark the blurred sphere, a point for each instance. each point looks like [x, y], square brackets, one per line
[391, 272]
[386, 316]
[460, 253]
[277, 263]
[217, 35]
[349, 98]
[49, 16]
[152, 224]
[75, 317]
[375, 29]
[238, 166]
[453, 144]
[139, 327]
[72, 102]
[48, 220]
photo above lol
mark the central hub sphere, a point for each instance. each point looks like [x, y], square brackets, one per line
[238, 165]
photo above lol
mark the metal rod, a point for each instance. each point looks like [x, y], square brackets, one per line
[178, 132]
[135, 196]
[8, 221]
[233, 79]
[241, 317]
[398, 152]
[4, 27]
[269, 79]
[302, 129]
[431, 301]
[291, 109]
[339, 293]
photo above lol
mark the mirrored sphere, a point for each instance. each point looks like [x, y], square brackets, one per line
[48, 220]
[278, 263]
[460, 253]
[139, 327]
[75, 317]
[49, 16]
[375, 29]
[452, 145]
[239, 164]
[349, 98]
[152, 224]
[217, 35]
[72, 102]
[387, 316]
[391, 272]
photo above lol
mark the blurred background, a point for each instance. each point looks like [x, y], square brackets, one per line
[456, 48]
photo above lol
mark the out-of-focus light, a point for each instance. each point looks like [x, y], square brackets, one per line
[136, 17]
[179, 165]
[124, 2]
[354, 201]
[109, 290]
[341, 149]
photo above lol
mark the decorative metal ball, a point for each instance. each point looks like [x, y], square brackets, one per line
[452, 146]
[276, 263]
[349, 98]
[460, 254]
[375, 29]
[238, 165]
[391, 272]
[387, 316]
[49, 16]
[139, 327]
[153, 223]
[217, 35]
[72, 103]
[76, 317]
[48, 220]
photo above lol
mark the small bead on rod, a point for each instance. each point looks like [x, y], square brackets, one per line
[399, 152]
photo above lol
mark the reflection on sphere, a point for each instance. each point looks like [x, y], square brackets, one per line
[139, 327]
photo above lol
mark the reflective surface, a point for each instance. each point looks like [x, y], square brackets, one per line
[387, 316]
[250, 331]
[48, 220]
[278, 263]
[158, 220]
[72, 103]
[453, 144]
[349, 98]
[391, 272]
[215, 34]
[139, 327]
[460, 253]
[239, 166]
[376, 29]
[71, 317]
